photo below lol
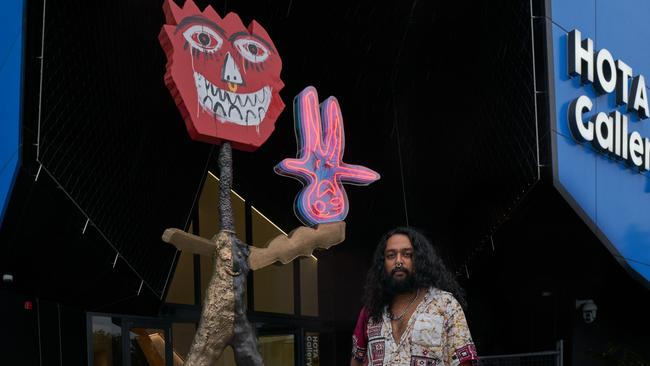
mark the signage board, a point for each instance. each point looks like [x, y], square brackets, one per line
[598, 58]
[311, 349]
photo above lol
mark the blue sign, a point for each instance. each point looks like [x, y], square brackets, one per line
[11, 60]
[599, 57]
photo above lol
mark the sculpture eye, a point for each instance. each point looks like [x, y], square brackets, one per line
[203, 38]
[251, 49]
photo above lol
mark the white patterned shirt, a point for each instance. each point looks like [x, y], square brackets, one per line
[436, 335]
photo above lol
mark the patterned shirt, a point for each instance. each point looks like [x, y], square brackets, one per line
[436, 335]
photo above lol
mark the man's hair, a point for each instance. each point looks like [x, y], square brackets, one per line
[428, 271]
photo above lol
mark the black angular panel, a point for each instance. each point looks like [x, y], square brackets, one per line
[110, 134]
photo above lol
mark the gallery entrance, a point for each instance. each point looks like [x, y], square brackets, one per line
[116, 340]
[129, 341]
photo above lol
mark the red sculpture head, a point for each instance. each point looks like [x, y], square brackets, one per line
[224, 77]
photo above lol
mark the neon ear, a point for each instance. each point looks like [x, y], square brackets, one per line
[319, 163]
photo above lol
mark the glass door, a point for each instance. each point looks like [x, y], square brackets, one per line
[105, 341]
[277, 349]
[148, 343]
[115, 340]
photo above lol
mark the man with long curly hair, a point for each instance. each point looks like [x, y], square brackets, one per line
[412, 312]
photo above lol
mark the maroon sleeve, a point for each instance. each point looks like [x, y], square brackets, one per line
[360, 336]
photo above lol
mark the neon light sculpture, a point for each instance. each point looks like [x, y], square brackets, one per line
[319, 164]
[224, 77]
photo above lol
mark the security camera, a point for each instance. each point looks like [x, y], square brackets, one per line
[589, 309]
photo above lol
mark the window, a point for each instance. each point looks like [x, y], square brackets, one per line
[106, 341]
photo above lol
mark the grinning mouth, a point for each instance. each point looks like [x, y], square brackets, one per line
[246, 109]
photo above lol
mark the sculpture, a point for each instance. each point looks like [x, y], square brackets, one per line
[223, 105]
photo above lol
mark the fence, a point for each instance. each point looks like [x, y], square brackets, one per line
[546, 358]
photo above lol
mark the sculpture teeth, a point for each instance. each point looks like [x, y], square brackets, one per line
[246, 109]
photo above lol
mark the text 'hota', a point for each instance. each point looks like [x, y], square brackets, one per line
[607, 132]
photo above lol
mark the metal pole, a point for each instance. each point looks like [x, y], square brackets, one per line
[225, 184]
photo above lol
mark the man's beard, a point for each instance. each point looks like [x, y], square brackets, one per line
[395, 286]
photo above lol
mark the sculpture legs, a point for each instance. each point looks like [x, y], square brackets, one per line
[244, 344]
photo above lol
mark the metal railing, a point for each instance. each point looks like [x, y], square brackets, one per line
[546, 358]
